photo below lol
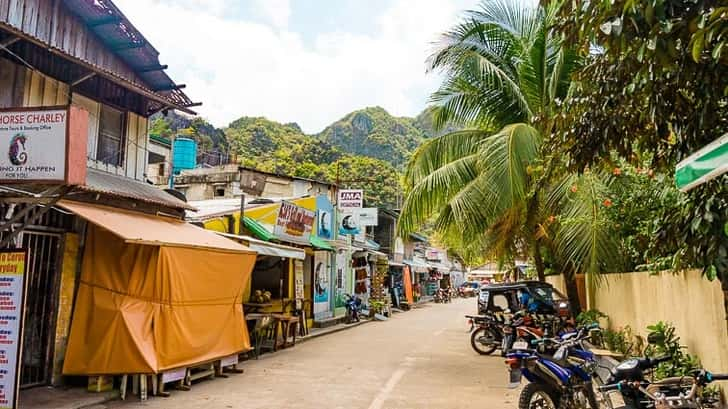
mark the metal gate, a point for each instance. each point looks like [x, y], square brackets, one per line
[42, 277]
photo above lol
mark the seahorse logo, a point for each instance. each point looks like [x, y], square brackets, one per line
[17, 152]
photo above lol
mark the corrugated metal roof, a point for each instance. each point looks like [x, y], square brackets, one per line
[102, 182]
[123, 39]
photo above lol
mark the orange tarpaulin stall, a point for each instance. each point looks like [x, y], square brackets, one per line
[407, 277]
[155, 294]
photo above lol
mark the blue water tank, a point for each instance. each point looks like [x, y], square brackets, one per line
[185, 154]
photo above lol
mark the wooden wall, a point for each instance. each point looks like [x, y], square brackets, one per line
[20, 86]
[52, 23]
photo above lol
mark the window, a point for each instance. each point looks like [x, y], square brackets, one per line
[270, 274]
[110, 148]
[219, 191]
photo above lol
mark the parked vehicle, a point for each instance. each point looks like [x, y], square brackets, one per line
[486, 333]
[545, 299]
[441, 296]
[469, 289]
[630, 381]
[353, 308]
[563, 380]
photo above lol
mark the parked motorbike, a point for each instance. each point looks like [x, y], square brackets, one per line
[441, 296]
[353, 308]
[563, 380]
[630, 380]
[486, 333]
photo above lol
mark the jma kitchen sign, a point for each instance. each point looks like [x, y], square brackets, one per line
[36, 145]
[351, 199]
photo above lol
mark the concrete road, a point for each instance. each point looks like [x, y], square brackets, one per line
[418, 359]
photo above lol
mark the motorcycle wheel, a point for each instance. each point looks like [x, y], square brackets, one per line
[538, 396]
[480, 347]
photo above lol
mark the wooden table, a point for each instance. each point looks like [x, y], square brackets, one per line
[288, 324]
[255, 307]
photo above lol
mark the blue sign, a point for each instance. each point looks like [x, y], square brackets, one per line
[325, 218]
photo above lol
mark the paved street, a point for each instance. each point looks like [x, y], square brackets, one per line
[419, 359]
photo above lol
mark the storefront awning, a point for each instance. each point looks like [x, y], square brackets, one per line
[704, 165]
[320, 244]
[258, 229]
[268, 249]
[417, 266]
[140, 228]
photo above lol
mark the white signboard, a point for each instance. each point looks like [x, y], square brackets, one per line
[12, 301]
[350, 199]
[294, 223]
[33, 144]
[368, 216]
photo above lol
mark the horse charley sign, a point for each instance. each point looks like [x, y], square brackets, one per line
[45, 145]
[12, 303]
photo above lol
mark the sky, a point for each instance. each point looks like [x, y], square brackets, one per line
[304, 61]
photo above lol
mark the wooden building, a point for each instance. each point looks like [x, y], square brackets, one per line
[84, 54]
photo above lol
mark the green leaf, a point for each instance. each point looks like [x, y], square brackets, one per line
[698, 43]
[711, 273]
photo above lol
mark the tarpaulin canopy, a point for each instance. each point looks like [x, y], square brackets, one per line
[144, 308]
[140, 228]
[706, 164]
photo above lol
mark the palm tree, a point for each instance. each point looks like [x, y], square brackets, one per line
[495, 182]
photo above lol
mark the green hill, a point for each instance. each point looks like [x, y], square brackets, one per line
[375, 133]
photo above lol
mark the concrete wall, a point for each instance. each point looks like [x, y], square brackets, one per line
[687, 300]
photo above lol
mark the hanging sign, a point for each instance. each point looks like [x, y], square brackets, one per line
[298, 277]
[294, 223]
[349, 222]
[324, 218]
[12, 304]
[368, 216]
[351, 199]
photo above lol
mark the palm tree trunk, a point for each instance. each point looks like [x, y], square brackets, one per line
[538, 261]
[572, 290]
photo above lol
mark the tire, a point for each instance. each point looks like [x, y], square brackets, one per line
[478, 346]
[534, 391]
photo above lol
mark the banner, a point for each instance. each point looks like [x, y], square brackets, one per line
[325, 218]
[321, 274]
[342, 268]
[12, 305]
[350, 199]
[294, 223]
[33, 144]
[349, 222]
[298, 277]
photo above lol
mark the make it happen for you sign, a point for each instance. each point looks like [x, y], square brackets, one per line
[33, 144]
[12, 301]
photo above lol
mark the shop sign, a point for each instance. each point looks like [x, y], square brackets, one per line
[298, 283]
[33, 144]
[351, 199]
[12, 306]
[349, 222]
[325, 218]
[321, 284]
[368, 216]
[294, 223]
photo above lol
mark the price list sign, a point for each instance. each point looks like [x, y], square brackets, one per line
[12, 302]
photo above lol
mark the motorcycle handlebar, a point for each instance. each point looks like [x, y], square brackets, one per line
[612, 387]
[718, 377]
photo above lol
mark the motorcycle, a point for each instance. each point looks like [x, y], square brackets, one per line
[563, 380]
[441, 296]
[628, 378]
[486, 333]
[353, 308]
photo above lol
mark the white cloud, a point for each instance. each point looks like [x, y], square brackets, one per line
[238, 67]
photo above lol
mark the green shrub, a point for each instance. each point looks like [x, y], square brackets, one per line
[663, 341]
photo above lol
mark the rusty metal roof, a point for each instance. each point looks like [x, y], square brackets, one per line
[106, 183]
[123, 39]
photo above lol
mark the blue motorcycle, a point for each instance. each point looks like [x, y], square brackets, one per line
[353, 308]
[559, 381]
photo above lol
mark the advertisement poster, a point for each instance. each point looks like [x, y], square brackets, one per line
[320, 283]
[368, 216]
[325, 218]
[349, 222]
[294, 223]
[342, 270]
[12, 303]
[30, 141]
[298, 284]
[350, 199]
